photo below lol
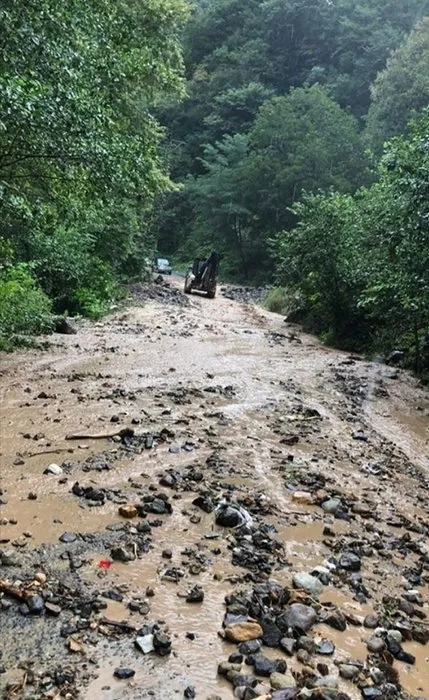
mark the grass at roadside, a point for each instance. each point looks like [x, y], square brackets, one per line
[278, 301]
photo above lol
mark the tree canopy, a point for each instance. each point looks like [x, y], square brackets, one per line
[401, 90]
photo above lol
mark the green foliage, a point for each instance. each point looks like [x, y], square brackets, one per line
[278, 301]
[361, 264]
[239, 56]
[301, 141]
[24, 308]
[401, 90]
[317, 259]
[80, 162]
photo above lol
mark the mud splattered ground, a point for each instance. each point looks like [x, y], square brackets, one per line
[254, 456]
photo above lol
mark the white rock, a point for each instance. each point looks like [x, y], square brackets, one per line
[145, 644]
[53, 469]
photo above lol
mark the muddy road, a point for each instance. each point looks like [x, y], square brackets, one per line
[266, 502]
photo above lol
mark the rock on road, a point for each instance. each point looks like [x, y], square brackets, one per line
[261, 464]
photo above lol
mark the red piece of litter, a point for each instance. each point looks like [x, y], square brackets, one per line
[104, 564]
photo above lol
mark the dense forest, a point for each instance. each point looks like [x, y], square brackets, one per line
[290, 135]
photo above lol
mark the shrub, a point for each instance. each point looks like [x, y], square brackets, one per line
[277, 301]
[24, 307]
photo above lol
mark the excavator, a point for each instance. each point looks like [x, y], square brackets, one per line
[202, 276]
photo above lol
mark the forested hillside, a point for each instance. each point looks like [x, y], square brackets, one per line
[79, 149]
[257, 128]
[289, 98]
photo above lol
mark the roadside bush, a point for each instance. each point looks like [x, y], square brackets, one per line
[24, 307]
[93, 299]
[277, 301]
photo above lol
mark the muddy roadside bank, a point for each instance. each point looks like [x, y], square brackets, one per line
[321, 459]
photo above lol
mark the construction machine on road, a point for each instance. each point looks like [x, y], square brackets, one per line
[203, 275]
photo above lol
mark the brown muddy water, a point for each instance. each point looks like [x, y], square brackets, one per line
[227, 379]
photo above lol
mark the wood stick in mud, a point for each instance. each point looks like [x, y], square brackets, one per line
[47, 452]
[123, 432]
[124, 626]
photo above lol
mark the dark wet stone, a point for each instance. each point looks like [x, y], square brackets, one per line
[161, 643]
[196, 595]
[420, 634]
[262, 665]
[349, 562]
[244, 680]
[298, 617]
[323, 669]
[272, 634]
[229, 517]
[251, 647]
[371, 621]
[288, 645]
[336, 620]
[35, 604]
[123, 673]
[113, 594]
[204, 502]
[143, 527]
[68, 537]
[189, 692]
[64, 325]
[399, 653]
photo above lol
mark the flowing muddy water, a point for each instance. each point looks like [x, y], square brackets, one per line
[234, 404]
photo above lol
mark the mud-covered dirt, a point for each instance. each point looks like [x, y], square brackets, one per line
[260, 471]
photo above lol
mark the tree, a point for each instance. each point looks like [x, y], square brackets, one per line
[223, 218]
[303, 141]
[319, 261]
[361, 264]
[396, 210]
[79, 145]
[401, 90]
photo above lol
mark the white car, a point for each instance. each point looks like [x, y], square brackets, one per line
[163, 267]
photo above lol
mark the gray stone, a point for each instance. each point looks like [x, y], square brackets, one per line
[281, 681]
[35, 604]
[310, 584]
[331, 505]
[376, 645]
[348, 671]
[371, 621]
[297, 617]
[330, 682]
[394, 635]
[349, 562]
[325, 647]
[288, 645]
[68, 537]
